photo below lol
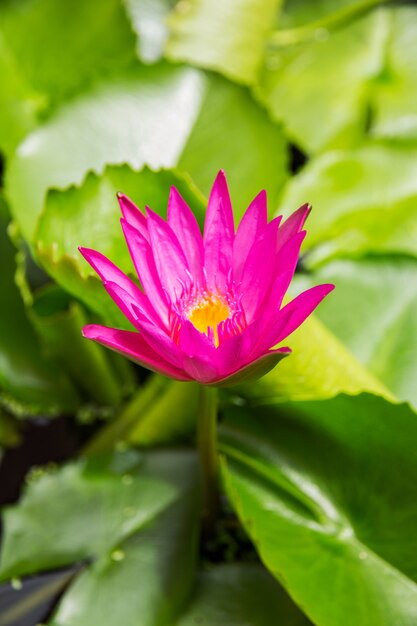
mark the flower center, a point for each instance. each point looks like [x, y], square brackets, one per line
[208, 312]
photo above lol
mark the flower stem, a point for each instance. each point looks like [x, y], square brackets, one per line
[207, 446]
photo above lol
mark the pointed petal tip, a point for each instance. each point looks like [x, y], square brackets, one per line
[90, 331]
[283, 350]
[88, 253]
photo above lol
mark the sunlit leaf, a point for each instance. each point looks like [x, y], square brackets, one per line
[148, 19]
[373, 311]
[224, 36]
[61, 46]
[395, 92]
[363, 200]
[319, 87]
[320, 366]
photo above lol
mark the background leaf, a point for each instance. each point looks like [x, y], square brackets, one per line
[382, 333]
[135, 515]
[240, 594]
[320, 111]
[29, 382]
[228, 37]
[395, 93]
[364, 200]
[61, 47]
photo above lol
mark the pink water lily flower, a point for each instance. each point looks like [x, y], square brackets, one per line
[211, 306]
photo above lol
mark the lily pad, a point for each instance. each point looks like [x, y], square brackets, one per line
[309, 481]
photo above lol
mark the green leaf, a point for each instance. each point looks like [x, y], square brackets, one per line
[395, 91]
[29, 382]
[309, 481]
[58, 320]
[124, 120]
[61, 46]
[240, 594]
[227, 37]
[363, 200]
[319, 87]
[134, 515]
[382, 333]
[19, 103]
[148, 19]
[234, 134]
[67, 223]
[320, 366]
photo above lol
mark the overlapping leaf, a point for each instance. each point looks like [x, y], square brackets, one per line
[134, 515]
[319, 86]
[363, 200]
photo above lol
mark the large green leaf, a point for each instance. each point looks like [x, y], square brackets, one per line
[382, 332]
[160, 117]
[29, 382]
[320, 366]
[237, 595]
[319, 87]
[60, 46]
[125, 120]
[326, 490]
[228, 37]
[92, 507]
[135, 515]
[363, 200]
[395, 92]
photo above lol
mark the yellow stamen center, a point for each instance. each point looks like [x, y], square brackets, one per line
[207, 313]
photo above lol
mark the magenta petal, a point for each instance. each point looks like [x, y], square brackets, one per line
[218, 235]
[108, 271]
[129, 305]
[132, 345]
[295, 312]
[198, 354]
[144, 263]
[157, 338]
[170, 260]
[259, 269]
[185, 226]
[286, 263]
[132, 214]
[293, 224]
[250, 228]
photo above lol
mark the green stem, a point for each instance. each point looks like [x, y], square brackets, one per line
[339, 18]
[119, 429]
[207, 446]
